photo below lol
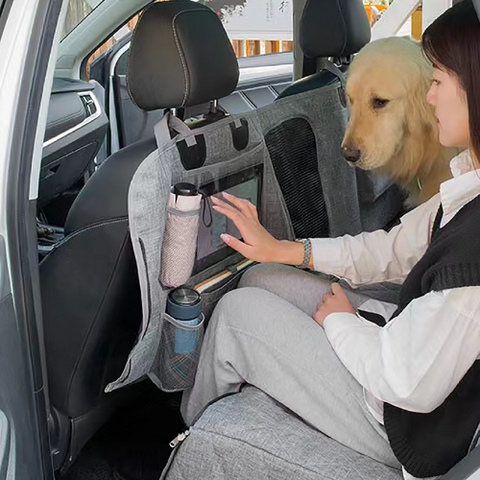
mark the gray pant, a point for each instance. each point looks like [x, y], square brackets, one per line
[263, 333]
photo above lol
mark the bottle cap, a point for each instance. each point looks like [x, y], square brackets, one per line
[185, 189]
[183, 303]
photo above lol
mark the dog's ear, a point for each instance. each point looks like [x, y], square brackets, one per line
[421, 113]
[422, 145]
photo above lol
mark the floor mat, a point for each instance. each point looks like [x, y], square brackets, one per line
[134, 444]
[90, 465]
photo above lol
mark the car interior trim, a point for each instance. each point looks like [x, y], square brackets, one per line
[89, 119]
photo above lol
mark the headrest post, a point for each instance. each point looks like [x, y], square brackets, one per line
[213, 106]
[179, 113]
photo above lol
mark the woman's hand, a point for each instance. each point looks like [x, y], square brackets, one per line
[336, 301]
[258, 244]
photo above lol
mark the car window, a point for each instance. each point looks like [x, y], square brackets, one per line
[410, 17]
[254, 27]
[77, 11]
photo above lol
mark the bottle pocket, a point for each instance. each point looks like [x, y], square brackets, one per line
[180, 345]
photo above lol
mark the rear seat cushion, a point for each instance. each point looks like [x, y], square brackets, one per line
[250, 435]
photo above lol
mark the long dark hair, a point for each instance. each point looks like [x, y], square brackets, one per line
[452, 42]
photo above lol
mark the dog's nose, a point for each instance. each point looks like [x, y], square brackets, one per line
[351, 154]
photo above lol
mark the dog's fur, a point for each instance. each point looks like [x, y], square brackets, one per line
[399, 139]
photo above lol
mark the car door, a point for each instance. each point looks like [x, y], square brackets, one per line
[27, 28]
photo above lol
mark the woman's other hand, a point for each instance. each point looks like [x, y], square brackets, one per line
[258, 244]
[334, 302]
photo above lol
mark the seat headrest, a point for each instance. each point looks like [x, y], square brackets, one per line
[180, 56]
[333, 28]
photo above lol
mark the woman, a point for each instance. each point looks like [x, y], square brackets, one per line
[406, 393]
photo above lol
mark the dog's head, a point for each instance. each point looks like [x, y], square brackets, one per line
[386, 88]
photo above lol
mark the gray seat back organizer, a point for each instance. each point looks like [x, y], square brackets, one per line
[308, 190]
[337, 212]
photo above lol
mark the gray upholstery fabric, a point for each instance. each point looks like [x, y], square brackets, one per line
[250, 436]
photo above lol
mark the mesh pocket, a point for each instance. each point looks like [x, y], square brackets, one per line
[179, 247]
[180, 347]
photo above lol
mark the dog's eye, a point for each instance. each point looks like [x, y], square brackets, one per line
[379, 103]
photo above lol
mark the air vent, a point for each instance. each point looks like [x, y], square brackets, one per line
[89, 104]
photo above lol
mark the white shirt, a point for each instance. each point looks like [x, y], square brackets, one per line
[419, 357]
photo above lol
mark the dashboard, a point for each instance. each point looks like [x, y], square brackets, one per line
[76, 128]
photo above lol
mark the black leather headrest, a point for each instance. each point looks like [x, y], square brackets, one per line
[180, 56]
[333, 28]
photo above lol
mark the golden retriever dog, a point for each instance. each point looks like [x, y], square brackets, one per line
[392, 129]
